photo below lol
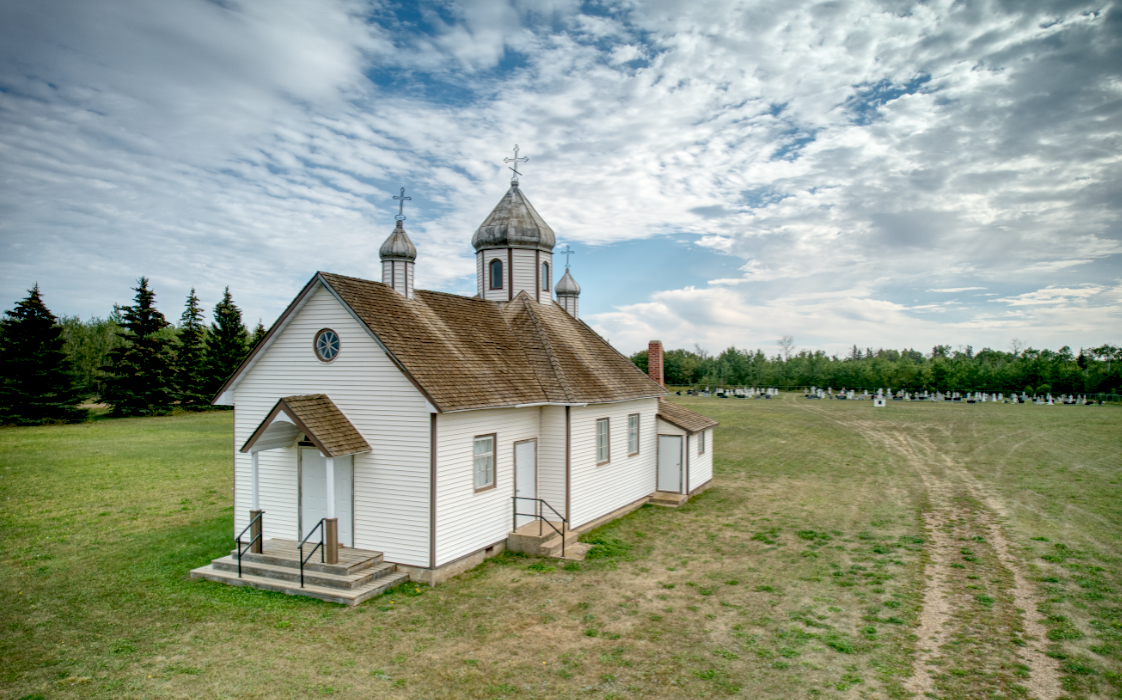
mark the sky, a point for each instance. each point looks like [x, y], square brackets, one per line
[886, 174]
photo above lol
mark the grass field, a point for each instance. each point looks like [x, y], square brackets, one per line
[843, 552]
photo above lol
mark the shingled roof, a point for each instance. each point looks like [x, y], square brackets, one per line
[320, 420]
[468, 353]
[684, 418]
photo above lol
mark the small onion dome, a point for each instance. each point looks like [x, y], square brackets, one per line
[398, 246]
[514, 223]
[567, 286]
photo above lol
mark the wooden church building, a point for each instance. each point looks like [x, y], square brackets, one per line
[416, 433]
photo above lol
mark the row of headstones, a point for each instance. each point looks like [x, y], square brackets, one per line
[738, 393]
[969, 397]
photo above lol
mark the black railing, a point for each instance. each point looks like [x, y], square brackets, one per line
[541, 518]
[303, 559]
[249, 546]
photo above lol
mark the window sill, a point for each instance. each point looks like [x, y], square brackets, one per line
[632, 454]
[607, 461]
[481, 489]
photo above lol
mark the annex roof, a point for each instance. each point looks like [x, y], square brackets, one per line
[684, 418]
[317, 418]
[466, 353]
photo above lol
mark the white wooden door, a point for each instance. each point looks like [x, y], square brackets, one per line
[526, 478]
[670, 463]
[313, 494]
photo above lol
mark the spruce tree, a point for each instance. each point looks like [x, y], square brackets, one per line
[141, 371]
[258, 334]
[191, 368]
[227, 342]
[37, 380]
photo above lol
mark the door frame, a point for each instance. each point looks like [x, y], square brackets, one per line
[683, 455]
[300, 492]
[514, 460]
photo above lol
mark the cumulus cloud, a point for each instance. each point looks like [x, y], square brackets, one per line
[859, 152]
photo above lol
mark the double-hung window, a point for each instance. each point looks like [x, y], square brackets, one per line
[701, 443]
[603, 445]
[484, 459]
[633, 434]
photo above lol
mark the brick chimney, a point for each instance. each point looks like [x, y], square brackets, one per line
[654, 361]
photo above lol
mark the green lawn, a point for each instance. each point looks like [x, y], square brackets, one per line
[801, 573]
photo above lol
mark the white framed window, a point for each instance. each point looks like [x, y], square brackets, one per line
[633, 434]
[484, 462]
[603, 441]
[701, 442]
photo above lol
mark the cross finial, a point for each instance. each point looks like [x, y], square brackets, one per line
[567, 252]
[516, 160]
[401, 205]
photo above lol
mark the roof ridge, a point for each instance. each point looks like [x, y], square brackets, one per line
[558, 372]
[625, 357]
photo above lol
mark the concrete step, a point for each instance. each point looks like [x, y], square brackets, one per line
[668, 500]
[288, 555]
[291, 574]
[574, 550]
[332, 595]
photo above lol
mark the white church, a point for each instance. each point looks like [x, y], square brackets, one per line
[397, 433]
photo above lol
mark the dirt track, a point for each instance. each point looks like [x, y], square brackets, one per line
[960, 510]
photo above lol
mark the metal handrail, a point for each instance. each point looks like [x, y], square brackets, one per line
[320, 547]
[260, 535]
[540, 518]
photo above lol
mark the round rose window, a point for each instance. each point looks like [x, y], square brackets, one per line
[327, 345]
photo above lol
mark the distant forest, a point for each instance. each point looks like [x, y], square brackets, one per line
[1088, 371]
[134, 360]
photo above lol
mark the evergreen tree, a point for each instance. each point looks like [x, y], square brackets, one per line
[141, 371]
[258, 334]
[37, 380]
[191, 370]
[227, 342]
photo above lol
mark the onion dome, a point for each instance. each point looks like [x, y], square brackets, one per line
[398, 246]
[514, 223]
[567, 286]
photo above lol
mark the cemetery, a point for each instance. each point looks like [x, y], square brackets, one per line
[888, 394]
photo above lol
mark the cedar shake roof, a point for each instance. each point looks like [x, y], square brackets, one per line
[684, 418]
[321, 421]
[468, 353]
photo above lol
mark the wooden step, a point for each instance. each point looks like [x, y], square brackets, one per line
[287, 554]
[332, 595]
[291, 574]
[667, 499]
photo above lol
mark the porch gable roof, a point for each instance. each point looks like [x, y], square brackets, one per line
[682, 417]
[314, 415]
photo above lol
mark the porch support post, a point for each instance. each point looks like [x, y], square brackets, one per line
[255, 532]
[255, 482]
[331, 523]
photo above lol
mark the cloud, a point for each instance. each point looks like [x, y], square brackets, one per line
[825, 148]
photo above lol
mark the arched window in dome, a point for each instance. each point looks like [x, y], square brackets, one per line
[496, 274]
[545, 277]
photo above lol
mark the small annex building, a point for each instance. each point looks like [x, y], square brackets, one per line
[414, 424]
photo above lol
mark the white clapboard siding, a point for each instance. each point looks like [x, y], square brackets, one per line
[599, 490]
[391, 488]
[701, 465]
[479, 274]
[547, 293]
[495, 294]
[551, 457]
[525, 272]
[468, 520]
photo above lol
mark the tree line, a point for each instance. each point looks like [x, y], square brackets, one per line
[1021, 368]
[135, 360]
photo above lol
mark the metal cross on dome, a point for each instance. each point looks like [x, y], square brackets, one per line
[516, 160]
[401, 205]
[567, 252]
